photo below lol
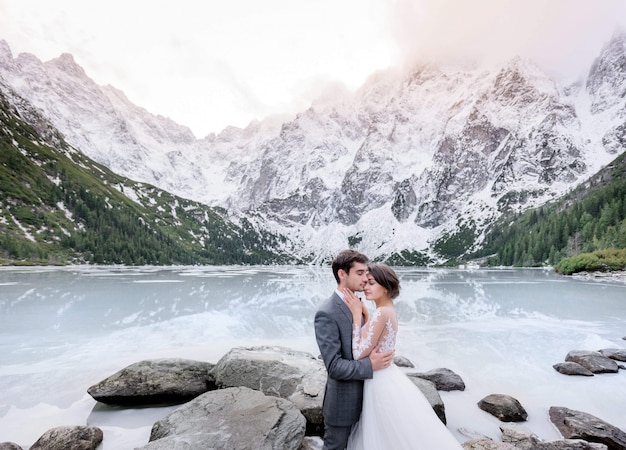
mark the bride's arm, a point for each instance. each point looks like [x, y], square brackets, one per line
[366, 337]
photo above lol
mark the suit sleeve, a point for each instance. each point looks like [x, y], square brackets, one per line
[329, 342]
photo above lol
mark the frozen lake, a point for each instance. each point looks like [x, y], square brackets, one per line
[64, 329]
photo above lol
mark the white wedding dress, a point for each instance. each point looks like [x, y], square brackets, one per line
[395, 414]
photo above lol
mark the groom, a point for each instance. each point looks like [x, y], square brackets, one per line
[333, 330]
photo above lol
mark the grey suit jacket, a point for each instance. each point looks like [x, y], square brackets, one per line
[343, 398]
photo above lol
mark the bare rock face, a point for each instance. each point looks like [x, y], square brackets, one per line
[504, 407]
[75, 438]
[606, 77]
[230, 419]
[162, 381]
[580, 425]
[278, 371]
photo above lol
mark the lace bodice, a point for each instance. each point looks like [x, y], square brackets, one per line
[382, 327]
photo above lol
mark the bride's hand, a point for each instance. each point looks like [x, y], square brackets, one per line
[355, 304]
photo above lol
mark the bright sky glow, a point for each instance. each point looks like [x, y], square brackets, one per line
[212, 64]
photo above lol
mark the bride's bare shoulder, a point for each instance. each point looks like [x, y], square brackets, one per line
[386, 311]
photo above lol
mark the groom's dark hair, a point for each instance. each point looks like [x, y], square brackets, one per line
[345, 260]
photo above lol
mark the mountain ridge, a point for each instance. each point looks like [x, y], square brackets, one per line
[399, 164]
[57, 206]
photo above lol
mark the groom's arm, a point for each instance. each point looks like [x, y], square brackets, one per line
[329, 342]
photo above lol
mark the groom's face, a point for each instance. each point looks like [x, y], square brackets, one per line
[357, 277]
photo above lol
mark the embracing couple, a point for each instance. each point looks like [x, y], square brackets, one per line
[369, 403]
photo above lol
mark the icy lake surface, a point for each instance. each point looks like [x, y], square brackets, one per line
[64, 329]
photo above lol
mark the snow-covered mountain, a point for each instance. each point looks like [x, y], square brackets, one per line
[408, 158]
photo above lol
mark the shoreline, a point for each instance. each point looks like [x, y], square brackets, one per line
[616, 275]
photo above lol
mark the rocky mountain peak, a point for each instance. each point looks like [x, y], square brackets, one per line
[421, 150]
[5, 52]
[607, 77]
[67, 65]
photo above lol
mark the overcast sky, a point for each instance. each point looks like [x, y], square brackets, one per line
[209, 64]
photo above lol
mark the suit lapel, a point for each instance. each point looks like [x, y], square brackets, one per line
[341, 305]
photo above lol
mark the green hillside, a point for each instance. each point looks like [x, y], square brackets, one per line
[57, 207]
[589, 219]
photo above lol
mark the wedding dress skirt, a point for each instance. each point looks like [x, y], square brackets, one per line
[396, 415]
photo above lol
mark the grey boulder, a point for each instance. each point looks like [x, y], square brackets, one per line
[504, 407]
[519, 438]
[574, 424]
[293, 375]
[572, 368]
[593, 361]
[429, 390]
[74, 438]
[618, 354]
[402, 361]
[151, 382]
[523, 439]
[236, 418]
[444, 379]
[9, 446]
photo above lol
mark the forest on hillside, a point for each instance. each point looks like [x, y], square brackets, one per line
[589, 219]
[57, 206]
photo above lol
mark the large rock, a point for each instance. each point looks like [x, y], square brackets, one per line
[402, 361]
[150, 382]
[487, 444]
[9, 446]
[523, 439]
[579, 425]
[74, 438]
[519, 438]
[594, 361]
[429, 390]
[504, 407]
[444, 379]
[618, 354]
[572, 368]
[279, 371]
[236, 418]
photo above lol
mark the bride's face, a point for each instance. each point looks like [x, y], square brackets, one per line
[374, 291]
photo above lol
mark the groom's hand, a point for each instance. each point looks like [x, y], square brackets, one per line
[381, 360]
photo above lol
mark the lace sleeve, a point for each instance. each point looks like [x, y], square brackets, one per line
[365, 338]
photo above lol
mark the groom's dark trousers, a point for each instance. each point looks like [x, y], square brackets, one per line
[343, 398]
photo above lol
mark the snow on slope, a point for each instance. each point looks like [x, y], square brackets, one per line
[390, 167]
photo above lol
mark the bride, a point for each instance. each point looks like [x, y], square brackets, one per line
[395, 414]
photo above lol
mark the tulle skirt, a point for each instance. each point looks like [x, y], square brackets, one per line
[397, 416]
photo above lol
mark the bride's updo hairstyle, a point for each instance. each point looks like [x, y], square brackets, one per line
[386, 277]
